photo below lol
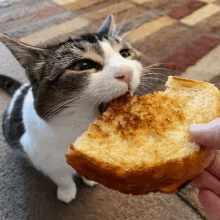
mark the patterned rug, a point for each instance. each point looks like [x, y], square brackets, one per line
[179, 37]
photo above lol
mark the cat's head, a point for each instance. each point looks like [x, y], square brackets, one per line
[94, 68]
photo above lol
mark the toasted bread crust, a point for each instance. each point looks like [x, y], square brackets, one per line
[166, 177]
[189, 83]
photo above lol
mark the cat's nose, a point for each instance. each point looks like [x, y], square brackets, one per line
[125, 74]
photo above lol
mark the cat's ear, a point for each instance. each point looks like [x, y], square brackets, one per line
[108, 26]
[26, 55]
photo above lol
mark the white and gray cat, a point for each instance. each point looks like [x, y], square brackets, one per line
[68, 83]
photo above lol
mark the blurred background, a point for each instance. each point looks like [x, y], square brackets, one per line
[179, 37]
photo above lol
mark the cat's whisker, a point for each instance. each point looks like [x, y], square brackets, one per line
[146, 83]
[147, 91]
[151, 69]
[151, 78]
[95, 105]
[156, 79]
[145, 69]
[57, 107]
[146, 74]
[155, 68]
[156, 64]
[69, 104]
[144, 87]
[147, 80]
[98, 101]
[153, 73]
[138, 91]
[105, 105]
[73, 108]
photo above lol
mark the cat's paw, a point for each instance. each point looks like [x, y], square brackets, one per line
[66, 193]
[89, 182]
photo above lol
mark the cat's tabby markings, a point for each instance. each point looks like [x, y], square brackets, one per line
[68, 83]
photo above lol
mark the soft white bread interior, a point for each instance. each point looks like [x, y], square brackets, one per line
[142, 144]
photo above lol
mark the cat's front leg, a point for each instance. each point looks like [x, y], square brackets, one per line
[89, 182]
[66, 190]
[66, 193]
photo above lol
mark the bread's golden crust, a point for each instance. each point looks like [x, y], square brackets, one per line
[166, 177]
[189, 83]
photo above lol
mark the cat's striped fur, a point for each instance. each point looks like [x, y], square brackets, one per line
[68, 82]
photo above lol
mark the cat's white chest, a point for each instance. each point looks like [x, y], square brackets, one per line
[47, 144]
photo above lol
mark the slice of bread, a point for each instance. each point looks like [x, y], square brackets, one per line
[142, 144]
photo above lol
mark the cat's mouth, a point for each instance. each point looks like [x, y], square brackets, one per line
[104, 106]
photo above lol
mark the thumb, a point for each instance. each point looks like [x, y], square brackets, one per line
[207, 134]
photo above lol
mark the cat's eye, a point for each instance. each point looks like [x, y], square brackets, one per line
[85, 65]
[125, 53]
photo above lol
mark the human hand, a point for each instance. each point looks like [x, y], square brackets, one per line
[208, 181]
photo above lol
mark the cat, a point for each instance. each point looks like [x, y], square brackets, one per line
[68, 83]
